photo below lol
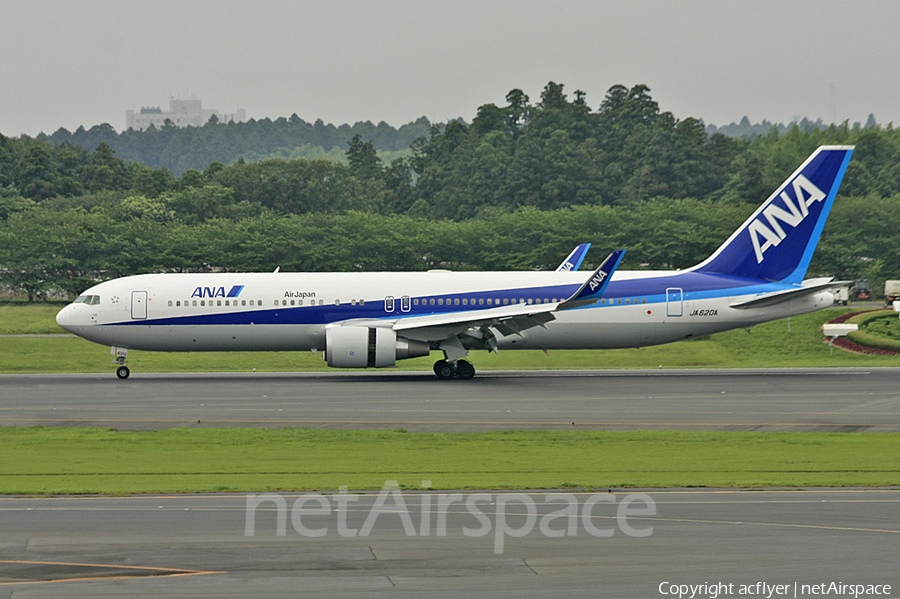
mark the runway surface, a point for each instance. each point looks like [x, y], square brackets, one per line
[832, 400]
[199, 546]
[193, 545]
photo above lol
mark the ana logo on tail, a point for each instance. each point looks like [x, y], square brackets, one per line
[597, 280]
[773, 234]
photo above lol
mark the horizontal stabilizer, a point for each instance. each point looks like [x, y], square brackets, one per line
[770, 299]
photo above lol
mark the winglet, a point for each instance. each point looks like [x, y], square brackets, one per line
[593, 288]
[573, 261]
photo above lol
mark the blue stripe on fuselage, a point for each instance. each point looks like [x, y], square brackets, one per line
[695, 285]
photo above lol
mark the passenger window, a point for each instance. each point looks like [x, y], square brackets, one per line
[170, 303]
[195, 303]
[416, 302]
[465, 301]
[292, 302]
[431, 302]
[440, 301]
[627, 300]
[299, 302]
[337, 302]
[178, 304]
[251, 302]
[456, 301]
[362, 302]
[219, 303]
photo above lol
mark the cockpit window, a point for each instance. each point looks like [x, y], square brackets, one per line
[90, 300]
[81, 299]
[95, 300]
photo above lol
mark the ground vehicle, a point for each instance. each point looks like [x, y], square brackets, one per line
[891, 292]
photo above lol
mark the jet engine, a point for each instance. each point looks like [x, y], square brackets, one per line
[369, 347]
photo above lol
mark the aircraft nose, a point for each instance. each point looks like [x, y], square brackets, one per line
[64, 317]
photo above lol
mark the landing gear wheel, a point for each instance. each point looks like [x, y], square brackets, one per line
[464, 370]
[122, 372]
[443, 369]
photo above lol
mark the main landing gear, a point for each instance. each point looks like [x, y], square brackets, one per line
[462, 369]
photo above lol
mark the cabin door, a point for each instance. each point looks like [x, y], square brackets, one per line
[138, 305]
[674, 304]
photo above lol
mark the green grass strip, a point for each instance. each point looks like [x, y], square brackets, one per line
[105, 461]
[799, 343]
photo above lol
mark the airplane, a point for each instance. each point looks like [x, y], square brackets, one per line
[374, 319]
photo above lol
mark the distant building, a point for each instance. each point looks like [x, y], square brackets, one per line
[182, 113]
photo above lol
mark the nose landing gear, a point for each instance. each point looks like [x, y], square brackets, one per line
[121, 354]
[461, 369]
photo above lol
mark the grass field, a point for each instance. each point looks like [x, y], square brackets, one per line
[775, 344]
[17, 318]
[93, 460]
[89, 460]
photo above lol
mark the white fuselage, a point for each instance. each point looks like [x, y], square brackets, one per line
[290, 311]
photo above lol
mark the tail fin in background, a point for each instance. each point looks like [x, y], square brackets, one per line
[574, 260]
[777, 242]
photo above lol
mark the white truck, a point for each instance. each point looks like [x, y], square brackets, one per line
[891, 292]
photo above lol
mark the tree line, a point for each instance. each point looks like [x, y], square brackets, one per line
[180, 149]
[515, 189]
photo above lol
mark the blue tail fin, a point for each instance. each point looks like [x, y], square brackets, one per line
[777, 242]
[574, 260]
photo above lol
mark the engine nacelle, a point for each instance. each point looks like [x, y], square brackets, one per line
[369, 347]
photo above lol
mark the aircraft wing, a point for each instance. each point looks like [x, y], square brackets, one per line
[808, 287]
[508, 320]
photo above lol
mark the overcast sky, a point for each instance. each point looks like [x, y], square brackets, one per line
[70, 63]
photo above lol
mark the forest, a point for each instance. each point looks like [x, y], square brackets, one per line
[516, 188]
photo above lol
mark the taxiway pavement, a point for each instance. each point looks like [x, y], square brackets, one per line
[198, 545]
